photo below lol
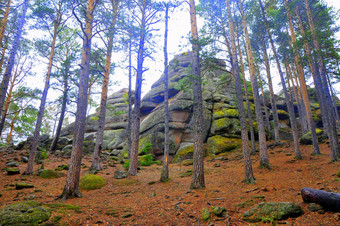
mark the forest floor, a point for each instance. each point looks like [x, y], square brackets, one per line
[143, 200]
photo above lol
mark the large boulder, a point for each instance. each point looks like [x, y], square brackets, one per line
[24, 213]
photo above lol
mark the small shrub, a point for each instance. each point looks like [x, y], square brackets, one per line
[91, 182]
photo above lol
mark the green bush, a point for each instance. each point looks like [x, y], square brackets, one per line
[91, 182]
[126, 164]
[146, 160]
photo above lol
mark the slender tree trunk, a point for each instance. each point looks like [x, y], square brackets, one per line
[9, 136]
[138, 93]
[130, 99]
[334, 101]
[267, 124]
[96, 161]
[61, 117]
[332, 133]
[271, 92]
[264, 161]
[290, 106]
[250, 119]
[198, 165]
[311, 123]
[249, 176]
[11, 59]
[36, 136]
[71, 188]
[2, 59]
[165, 169]
[3, 22]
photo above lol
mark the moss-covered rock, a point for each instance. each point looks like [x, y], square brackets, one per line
[49, 174]
[307, 138]
[230, 113]
[23, 185]
[187, 173]
[272, 211]
[229, 127]
[218, 144]
[24, 213]
[282, 114]
[184, 153]
[91, 182]
[62, 167]
[12, 171]
[206, 215]
[219, 211]
[187, 162]
[145, 145]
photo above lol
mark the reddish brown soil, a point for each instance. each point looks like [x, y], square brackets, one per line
[155, 204]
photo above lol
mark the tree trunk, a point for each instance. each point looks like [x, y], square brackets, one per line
[138, 93]
[3, 22]
[249, 176]
[11, 59]
[266, 114]
[311, 123]
[328, 200]
[71, 188]
[2, 59]
[264, 161]
[271, 92]
[9, 136]
[198, 165]
[289, 104]
[332, 132]
[61, 117]
[35, 140]
[130, 99]
[165, 169]
[96, 161]
[250, 119]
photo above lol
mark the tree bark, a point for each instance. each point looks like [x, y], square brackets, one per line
[266, 114]
[130, 99]
[250, 119]
[96, 161]
[71, 188]
[165, 169]
[289, 104]
[328, 200]
[35, 140]
[3, 22]
[249, 175]
[198, 165]
[11, 60]
[138, 93]
[332, 132]
[264, 161]
[311, 123]
[271, 92]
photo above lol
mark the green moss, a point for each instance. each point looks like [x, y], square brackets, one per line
[218, 211]
[126, 164]
[187, 173]
[62, 206]
[23, 185]
[62, 167]
[145, 145]
[231, 113]
[218, 144]
[272, 211]
[206, 215]
[185, 153]
[338, 173]
[307, 138]
[49, 174]
[283, 115]
[91, 182]
[12, 171]
[187, 162]
[24, 213]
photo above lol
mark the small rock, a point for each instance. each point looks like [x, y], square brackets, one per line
[217, 165]
[22, 185]
[12, 171]
[126, 215]
[314, 207]
[12, 164]
[205, 215]
[120, 174]
[99, 222]
[219, 211]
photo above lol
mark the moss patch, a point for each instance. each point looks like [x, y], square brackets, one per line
[206, 215]
[12, 171]
[272, 211]
[185, 153]
[218, 144]
[231, 113]
[24, 213]
[307, 138]
[91, 182]
[49, 174]
[283, 115]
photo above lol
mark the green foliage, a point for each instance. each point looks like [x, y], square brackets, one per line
[206, 215]
[146, 160]
[91, 182]
[49, 174]
[94, 118]
[147, 148]
[338, 173]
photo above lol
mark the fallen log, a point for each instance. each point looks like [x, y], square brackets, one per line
[328, 200]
